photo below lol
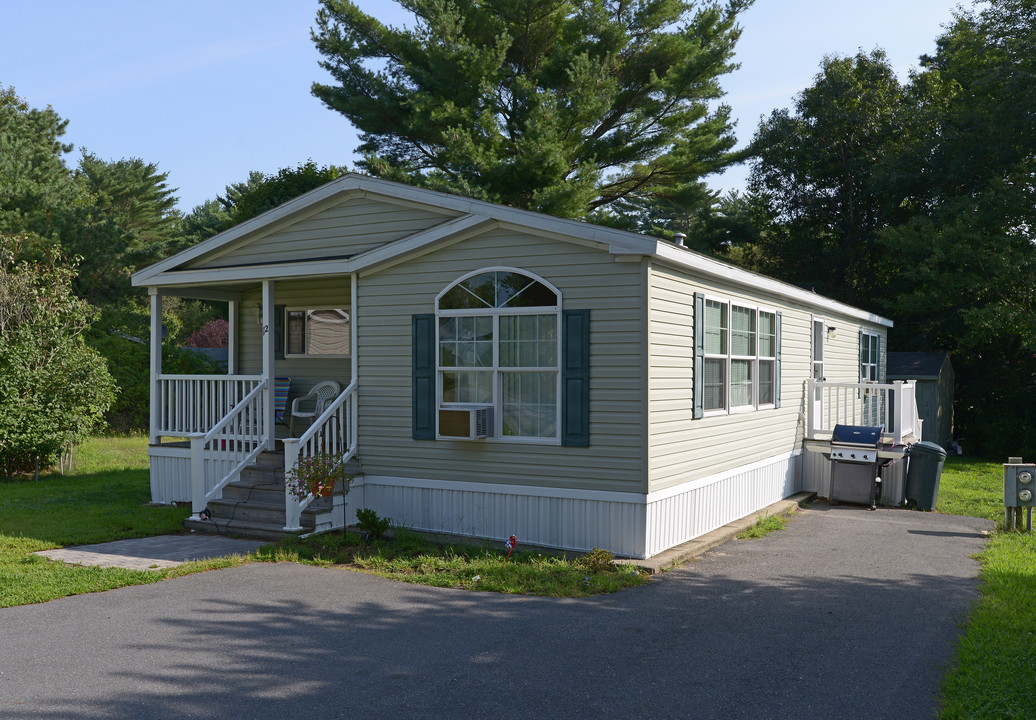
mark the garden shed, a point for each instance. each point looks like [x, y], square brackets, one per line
[932, 374]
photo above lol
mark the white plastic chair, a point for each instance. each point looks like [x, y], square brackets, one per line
[323, 393]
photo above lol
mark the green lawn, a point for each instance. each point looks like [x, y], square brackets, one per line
[992, 675]
[106, 496]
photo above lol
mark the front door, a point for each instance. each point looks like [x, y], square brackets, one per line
[819, 333]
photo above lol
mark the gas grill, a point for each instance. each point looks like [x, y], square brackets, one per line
[854, 464]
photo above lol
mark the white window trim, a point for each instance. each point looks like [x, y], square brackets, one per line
[308, 308]
[754, 406]
[497, 435]
[866, 336]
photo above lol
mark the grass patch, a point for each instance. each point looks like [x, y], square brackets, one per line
[105, 497]
[763, 526]
[992, 671]
[972, 487]
[409, 557]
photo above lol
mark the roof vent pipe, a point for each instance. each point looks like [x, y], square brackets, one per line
[678, 238]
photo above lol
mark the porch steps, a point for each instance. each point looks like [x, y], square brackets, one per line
[253, 506]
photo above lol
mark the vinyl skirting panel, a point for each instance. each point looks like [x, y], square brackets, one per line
[629, 524]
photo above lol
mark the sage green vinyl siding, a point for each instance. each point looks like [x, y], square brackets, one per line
[682, 449]
[348, 228]
[304, 372]
[587, 278]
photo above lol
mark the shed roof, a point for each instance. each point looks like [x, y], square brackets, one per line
[915, 365]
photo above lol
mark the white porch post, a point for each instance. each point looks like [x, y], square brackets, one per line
[898, 408]
[156, 364]
[268, 369]
[292, 508]
[354, 360]
[232, 310]
[197, 474]
[810, 408]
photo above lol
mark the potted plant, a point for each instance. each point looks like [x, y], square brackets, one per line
[316, 475]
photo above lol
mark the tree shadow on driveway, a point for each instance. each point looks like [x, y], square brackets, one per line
[836, 616]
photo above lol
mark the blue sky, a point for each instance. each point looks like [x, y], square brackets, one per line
[211, 89]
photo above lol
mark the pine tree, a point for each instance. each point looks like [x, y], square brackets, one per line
[561, 106]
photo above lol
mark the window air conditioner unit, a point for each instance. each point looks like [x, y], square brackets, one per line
[465, 422]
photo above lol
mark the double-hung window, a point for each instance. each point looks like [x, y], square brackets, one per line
[868, 356]
[740, 357]
[497, 338]
[316, 332]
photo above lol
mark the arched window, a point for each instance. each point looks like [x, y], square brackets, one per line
[498, 346]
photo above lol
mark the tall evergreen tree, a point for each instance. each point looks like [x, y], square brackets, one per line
[561, 106]
[34, 180]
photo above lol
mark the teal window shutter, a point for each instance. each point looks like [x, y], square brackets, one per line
[575, 378]
[278, 332]
[699, 355]
[777, 367]
[423, 367]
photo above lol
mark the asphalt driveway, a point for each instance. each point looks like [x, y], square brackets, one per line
[845, 614]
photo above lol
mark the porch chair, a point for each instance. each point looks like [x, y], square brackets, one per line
[323, 393]
[281, 386]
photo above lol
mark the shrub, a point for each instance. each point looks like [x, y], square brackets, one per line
[121, 336]
[54, 389]
[597, 560]
[213, 334]
[368, 521]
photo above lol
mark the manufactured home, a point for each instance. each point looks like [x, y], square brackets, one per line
[487, 372]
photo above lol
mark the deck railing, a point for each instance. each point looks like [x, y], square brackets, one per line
[867, 403]
[189, 404]
[219, 455]
[333, 433]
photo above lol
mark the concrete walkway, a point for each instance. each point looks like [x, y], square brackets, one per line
[153, 553]
[845, 614]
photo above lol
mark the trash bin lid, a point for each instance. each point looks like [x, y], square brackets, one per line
[927, 448]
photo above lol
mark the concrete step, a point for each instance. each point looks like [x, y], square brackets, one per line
[241, 528]
[269, 494]
[265, 514]
[253, 506]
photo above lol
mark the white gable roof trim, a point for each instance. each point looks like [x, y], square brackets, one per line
[476, 216]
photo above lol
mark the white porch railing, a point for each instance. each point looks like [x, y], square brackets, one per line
[190, 404]
[233, 442]
[892, 405]
[333, 433]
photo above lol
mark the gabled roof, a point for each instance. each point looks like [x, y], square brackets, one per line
[915, 365]
[469, 217]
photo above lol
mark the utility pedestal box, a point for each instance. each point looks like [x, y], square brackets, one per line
[1019, 492]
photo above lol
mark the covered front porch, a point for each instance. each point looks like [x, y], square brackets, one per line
[206, 430]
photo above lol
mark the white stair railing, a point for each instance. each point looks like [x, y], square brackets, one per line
[867, 403]
[219, 455]
[333, 433]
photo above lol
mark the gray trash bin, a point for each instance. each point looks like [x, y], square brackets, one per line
[923, 473]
